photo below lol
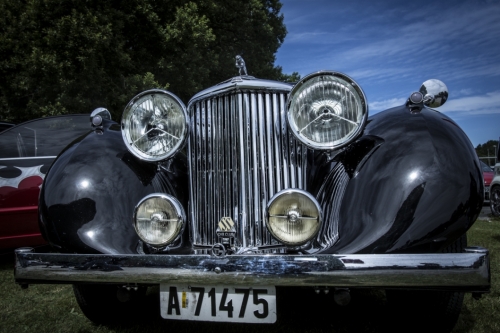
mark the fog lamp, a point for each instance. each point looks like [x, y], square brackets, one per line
[159, 219]
[154, 125]
[327, 110]
[293, 217]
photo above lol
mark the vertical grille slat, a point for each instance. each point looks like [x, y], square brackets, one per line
[269, 138]
[243, 169]
[209, 161]
[261, 121]
[277, 143]
[227, 184]
[256, 153]
[284, 142]
[216, 160]
[231, 113]
[241, 154]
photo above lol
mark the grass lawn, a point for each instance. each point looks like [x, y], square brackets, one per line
[52, 308]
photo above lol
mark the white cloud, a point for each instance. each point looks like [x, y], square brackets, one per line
[386, 104]
[390, 47]
[472, 105]
[466, 91]
[318, 37]
[468, 105]
[454, 41]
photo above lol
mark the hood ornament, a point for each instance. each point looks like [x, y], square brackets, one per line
[240, 63]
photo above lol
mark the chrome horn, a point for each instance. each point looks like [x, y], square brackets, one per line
[435, 93]
[97, 116]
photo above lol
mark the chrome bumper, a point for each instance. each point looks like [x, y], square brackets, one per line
[467, 271]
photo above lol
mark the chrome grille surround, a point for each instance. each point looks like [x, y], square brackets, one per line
[240, 153]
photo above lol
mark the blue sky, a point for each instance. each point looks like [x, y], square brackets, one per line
[391, 47]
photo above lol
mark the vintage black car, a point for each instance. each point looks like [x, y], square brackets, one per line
[259, 185]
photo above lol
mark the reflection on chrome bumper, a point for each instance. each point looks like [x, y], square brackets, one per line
[455, 271]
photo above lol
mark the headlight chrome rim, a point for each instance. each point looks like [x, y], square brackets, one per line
[180, 219]
[308, 196]
[131, 108]
[336, 144]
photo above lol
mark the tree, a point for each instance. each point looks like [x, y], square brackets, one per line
[488, 149]
[71, 56]
[291, 78]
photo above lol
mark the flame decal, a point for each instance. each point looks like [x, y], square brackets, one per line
[25, 173]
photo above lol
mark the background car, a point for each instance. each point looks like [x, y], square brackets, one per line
[495, 188]
[5, 125]
[488, 174]
[26, 153]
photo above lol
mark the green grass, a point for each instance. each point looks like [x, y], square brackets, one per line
[484, 315]
[52, 308]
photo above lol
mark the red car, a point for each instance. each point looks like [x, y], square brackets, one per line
[26, 153]
[488, 175]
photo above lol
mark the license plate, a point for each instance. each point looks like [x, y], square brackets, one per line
[218, 303]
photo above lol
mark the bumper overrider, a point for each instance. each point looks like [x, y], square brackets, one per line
[468, 271]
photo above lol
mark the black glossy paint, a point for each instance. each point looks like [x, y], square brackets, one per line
[89, 194]
[410, 183]
[417, 189]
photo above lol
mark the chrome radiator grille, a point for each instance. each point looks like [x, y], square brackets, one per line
[241, 154]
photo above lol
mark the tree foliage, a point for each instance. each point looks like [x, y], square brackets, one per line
[488, 149]
[292, 78]
[71, 56]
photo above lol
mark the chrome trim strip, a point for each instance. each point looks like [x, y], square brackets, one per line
[26, 158]
[240, 83]
[462, 271]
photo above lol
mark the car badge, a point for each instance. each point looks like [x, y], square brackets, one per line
[218, 250]
[240, 64]
[226, 232]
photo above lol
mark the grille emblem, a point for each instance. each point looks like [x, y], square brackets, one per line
[226, 224]
[226, 233]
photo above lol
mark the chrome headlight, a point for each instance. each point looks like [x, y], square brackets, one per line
[327, 110]
[159, 219]
[154, 125]
[293, 216]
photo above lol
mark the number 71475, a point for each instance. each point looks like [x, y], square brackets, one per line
[219, 303]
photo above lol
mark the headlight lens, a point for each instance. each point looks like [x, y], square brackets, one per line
[293, 217]
[154, 125]
[327, 110]
[159, 219]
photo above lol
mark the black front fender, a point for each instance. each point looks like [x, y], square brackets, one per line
[89, 194]
[416, 188]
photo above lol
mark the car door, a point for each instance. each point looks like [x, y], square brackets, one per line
[26, 153]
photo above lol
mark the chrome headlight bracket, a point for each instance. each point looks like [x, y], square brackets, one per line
[154, 125]
[327, 110]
